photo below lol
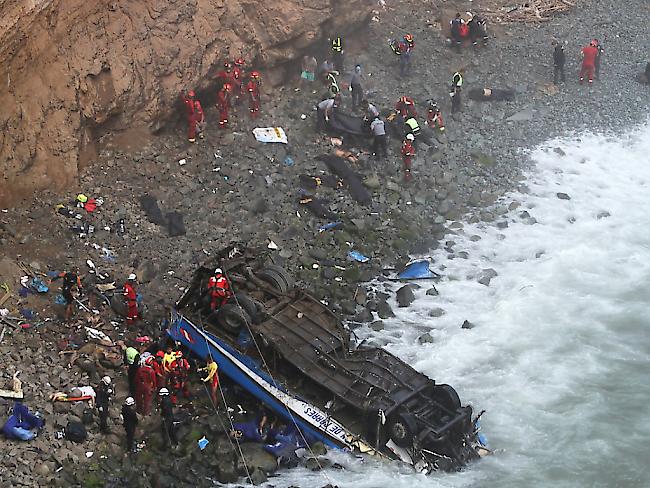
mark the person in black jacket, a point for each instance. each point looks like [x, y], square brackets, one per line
[558, 62]
[104, 392]
[130, 422]
[167, 418]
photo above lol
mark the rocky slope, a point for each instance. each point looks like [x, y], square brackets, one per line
[76, 70]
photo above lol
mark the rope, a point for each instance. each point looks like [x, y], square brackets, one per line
[268, 371]
[223, 397]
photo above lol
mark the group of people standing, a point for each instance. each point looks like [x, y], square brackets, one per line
[591, 57]
[234, 83]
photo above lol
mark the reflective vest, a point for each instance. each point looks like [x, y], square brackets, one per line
[413, 126]
[457, 80]
[337, 46]
[131, 353]
[334, 86]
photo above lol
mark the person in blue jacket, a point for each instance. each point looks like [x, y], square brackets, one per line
[22, 424]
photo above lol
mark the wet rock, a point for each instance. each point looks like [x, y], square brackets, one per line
[467, 325]
[436, 312]
[603, 214]
[364, 316]
[258, 477]
[405, 296]
[432, 292]
[426, 338]
[318, 449]
[377, 325]
[384, 310]
[502, 224]
[486, 275]
[563, 196]
[559, 151]
[258, 458]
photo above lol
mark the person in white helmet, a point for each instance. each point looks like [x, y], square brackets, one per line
[408, 153]
[129, 421]
[103, 399]
[219, 289]
[131, 297]
[167, 427]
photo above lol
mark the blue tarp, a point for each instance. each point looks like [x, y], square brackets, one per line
[416, 270]
[22, 423]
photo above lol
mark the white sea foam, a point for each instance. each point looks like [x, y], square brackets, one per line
[559, 356]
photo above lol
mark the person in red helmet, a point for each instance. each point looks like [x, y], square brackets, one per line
[159, 369]
[405, 106]
[219, 289]
[589, 54]
[189, 102]
[408, 152]
[253, 90]
[238, 78]
[131, 297]
[224, 104]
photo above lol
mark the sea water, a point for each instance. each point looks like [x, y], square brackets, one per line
[560, 353]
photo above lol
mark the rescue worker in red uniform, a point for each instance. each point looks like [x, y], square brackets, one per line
[408, 152]
[159, 369]
[145, 386]
[224, 104]
[188, 101]
[405, 106]
[589, 54]
[434, 116]
[238, 77]
[180, 370]
[131, 298]
[219, 290]
[253, 89]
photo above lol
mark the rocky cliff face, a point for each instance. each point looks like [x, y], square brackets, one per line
[74, 70]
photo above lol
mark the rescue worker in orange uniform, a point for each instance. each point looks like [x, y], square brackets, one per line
[589, 54]
[179, 371]
[408, 152]
[238, 75]
[189, 102]
[405, 106]
[159, 369]
[253, 89]
[224, 104]
[219, 290]
[131, 296]
[145, 385]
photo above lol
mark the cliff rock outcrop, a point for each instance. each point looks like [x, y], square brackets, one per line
[74, 70]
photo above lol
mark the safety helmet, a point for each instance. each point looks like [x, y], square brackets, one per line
[106, 380]
[160, 354]
[132, 277]
[218, 271]
[179, 354]
[129, 401]
[239, 62]
[255, 75]
[594, 43]
[227, 87]
[191, 94]
[227, 65]
[237, 434]
[410, 137]
[432, 103]
[357, 67]
[163, 392]
[408, 37]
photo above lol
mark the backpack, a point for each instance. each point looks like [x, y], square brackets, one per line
[76, 432]
[463, 30]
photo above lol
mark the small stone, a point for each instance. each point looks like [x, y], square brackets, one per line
[432, 292]
[486, 276]
[603, 214]
[467, 325]
[377, 325]
[425, 338]
[384, 310]
[563, 196]
[559, 151]
[436, 312]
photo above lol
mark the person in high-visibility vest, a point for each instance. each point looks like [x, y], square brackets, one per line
[455, 90]
[411, 126]
[336, 45]
[212, 379]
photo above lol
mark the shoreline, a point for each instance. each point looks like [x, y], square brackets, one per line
[259, 210]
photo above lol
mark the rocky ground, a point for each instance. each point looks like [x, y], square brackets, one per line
[232, 188]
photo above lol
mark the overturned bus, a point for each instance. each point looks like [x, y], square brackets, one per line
[293, 354]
